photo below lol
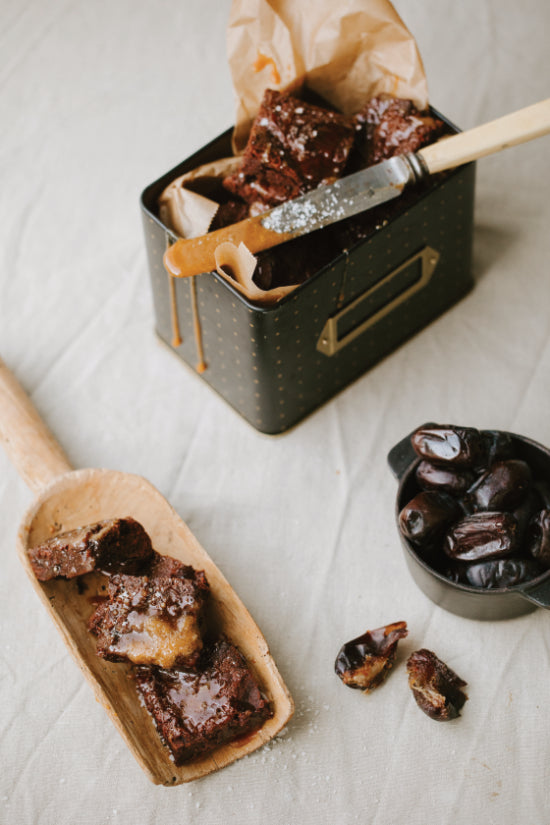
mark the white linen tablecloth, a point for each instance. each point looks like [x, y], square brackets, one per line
[98, 99]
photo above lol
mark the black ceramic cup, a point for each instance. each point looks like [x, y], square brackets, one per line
[465, 600]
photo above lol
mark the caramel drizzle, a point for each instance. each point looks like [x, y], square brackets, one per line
[177, 338]
[201, 363]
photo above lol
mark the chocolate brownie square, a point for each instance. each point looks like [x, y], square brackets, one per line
[153, 619]
[111, 545]
[389, 126]
[195, 711]
[293, 147]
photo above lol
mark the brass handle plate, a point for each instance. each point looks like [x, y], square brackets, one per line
[330, 343]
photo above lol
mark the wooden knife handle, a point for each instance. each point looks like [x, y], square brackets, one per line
[510, 130]
[31, 447]
[195, 255]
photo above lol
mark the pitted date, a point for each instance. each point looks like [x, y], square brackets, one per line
[444, 479]
[501, 572]
[449, 445]
[529, 507]
[436, 688]
[538, 538]
[498, 446]
[543, 489]
[363, 663]
[426, 517]
[482, 536]
[502, 487]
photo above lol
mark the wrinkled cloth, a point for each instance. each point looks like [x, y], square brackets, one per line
[97, 100]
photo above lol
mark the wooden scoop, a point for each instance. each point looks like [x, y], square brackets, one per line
[66, 499]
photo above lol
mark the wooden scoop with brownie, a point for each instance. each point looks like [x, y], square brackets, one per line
[148, 617]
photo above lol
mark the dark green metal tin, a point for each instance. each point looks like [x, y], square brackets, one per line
[276, 365]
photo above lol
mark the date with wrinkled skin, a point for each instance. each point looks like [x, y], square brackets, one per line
[538, 538]
[364, 663]
[529, 507]
[482, 536]
[436, 688]
[449, 445]
[426, 517]
[501, 573]
[498, 446]
[502, 487]
[444, 479]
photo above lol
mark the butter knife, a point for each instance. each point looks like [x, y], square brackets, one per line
[357, 192]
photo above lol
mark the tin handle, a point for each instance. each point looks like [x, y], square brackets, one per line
[330, 342]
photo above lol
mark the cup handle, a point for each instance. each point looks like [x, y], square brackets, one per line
[401, 457]
[539, 594]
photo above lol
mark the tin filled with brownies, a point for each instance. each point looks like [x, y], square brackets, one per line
[279, 333]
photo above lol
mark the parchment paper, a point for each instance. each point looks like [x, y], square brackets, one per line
[345, 55]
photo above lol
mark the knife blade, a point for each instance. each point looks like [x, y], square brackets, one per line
[357, 192]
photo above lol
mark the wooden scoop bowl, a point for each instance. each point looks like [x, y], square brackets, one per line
[66, 499]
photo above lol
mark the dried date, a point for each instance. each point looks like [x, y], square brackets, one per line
[538, 538]
[426, 517]
[531, 504]
[444, 479]
[363, 663]
[449, 445]
[502, 487]
[436, 688]
[498, 445]
[501, 572]
[482, 536]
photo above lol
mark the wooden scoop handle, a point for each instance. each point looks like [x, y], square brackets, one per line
[510, 130]
[31, 447]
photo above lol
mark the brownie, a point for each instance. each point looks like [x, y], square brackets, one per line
[229, 212]
[195, 711]
[153, 619]
[111, 545]
[389, 126]
[293, 147]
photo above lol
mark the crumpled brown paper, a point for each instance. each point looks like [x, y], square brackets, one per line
[347, 55]
[188, 211]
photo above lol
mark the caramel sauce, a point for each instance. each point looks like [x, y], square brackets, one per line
[152, 640]
[177, 340]
[262, 61]
[201, 703]
[201, 363]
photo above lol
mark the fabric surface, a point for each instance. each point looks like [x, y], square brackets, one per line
[96, 101]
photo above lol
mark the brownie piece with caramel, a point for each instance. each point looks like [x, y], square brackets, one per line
[389, 126]
[195, 711]
[153, 619]
[112, 545]
[293, 147]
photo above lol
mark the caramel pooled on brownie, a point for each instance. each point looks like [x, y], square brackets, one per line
[153, 619]
[196, 710]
